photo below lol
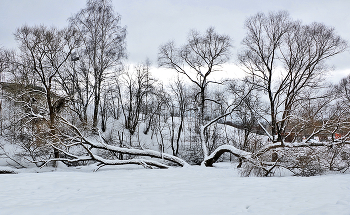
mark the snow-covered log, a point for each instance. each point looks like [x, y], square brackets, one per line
[105, 162]
[138, 152]
[213, 157]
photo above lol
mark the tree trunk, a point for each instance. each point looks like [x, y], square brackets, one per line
[52, 122]
[96, 104]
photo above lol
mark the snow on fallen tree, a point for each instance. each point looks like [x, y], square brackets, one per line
[88, 144]
[213, 157]
[301, 158]
[209, 159]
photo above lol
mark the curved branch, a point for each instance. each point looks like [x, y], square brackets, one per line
[138, 152]
[213, 157]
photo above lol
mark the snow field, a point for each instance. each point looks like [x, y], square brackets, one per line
[192, 190]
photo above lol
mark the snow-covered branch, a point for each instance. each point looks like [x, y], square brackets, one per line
[213, 157]
[137, 152]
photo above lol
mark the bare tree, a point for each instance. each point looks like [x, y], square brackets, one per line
[343, 89]
[283, 58]
[76, 81]
[103, 43]
[248, 113]
[202, 56]
[133, 86]
[45, 51]
[178, 106]
[75, 146]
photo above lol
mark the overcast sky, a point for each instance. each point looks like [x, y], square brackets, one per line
[151, 23]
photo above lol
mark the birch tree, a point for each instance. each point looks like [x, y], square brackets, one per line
[103, 40]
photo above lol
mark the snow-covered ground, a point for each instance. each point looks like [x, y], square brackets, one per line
[193, 190]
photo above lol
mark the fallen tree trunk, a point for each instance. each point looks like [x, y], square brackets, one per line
[101, 144]
[214, 156]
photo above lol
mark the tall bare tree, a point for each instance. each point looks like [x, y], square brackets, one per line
[103, 43]
[283, 58]
[45, 51]
[200, 57]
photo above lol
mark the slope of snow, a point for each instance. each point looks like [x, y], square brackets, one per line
[192, 190]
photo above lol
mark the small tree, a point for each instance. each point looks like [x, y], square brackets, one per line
[133, 87]
[178, 107]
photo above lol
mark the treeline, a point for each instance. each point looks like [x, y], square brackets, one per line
[68, 96]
